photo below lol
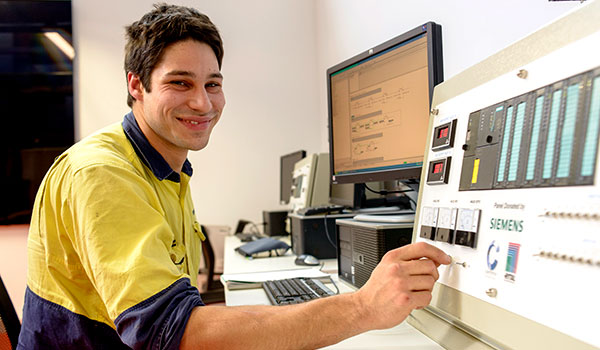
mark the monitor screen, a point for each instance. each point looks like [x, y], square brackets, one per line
[378, 104]
[287, 163]
[344, 194]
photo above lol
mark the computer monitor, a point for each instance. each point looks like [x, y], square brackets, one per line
[287, 163]
[348, 195]
[379, 103]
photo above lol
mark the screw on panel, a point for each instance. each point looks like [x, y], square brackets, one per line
[522, 74]
[435, 111]
[491, 292]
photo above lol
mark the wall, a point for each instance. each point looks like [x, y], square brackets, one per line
[272, 102]
[471, 30]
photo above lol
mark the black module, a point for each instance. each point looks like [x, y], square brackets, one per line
[362, 245]
[315, 234]
[275, 222]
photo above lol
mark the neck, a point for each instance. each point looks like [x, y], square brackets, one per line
[174, 156]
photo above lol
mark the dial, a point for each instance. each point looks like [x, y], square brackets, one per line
[465, 219]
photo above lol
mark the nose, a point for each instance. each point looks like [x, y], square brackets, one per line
[200, 101]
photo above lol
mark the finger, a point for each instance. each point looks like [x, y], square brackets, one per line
[421, 299]
[421, 267]
[421, 250]
[421, 283]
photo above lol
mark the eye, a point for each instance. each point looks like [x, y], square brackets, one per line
[179, 83]
[213, 86]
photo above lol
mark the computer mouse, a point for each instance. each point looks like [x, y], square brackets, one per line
[307, 260]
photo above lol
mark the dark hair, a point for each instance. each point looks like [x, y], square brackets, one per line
[155, 31]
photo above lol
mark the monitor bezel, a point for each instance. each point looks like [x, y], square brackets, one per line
[436, 76]
[302, 154]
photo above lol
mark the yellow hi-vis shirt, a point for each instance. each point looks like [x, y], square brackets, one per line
[113, 245]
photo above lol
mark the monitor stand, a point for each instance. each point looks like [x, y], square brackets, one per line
[391, 214]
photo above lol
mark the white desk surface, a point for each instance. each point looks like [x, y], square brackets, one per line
[403, 336]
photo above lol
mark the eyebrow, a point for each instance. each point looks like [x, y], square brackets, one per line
[192, 74]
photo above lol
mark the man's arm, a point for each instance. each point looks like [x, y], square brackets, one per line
[402, 281]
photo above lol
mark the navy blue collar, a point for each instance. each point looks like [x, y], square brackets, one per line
[150, 156]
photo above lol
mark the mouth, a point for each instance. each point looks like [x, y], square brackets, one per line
[196, 123]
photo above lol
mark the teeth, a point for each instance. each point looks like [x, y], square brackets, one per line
[193, 122]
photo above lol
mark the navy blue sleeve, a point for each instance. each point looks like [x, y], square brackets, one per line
[159, 321]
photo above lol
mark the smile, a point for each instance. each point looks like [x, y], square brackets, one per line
[191, 122]
[196, 124]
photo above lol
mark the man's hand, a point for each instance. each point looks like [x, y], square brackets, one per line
[401, 282]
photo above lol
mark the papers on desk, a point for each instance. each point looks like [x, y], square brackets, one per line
[255, 279]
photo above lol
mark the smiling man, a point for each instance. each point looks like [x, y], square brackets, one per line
[184, 101]
[114, 245]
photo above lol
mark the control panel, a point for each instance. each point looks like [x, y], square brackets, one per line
[512, 190]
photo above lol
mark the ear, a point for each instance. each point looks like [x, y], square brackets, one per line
[135, 87]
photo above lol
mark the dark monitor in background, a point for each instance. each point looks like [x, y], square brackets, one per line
[287, 163]
[348, 195]
[378, 105]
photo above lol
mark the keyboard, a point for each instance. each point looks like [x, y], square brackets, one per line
[295, 290]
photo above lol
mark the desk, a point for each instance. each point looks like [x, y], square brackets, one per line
[403, 336]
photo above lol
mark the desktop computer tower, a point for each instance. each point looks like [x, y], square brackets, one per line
[361, 245]
[315, 234]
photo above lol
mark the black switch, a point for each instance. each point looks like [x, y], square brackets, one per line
[427, 232]
[444, 235]
[465, 238]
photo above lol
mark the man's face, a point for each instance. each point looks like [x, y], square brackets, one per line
[185, 102]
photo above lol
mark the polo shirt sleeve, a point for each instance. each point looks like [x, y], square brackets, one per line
[124, 243]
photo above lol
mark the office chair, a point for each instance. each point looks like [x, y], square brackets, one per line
[10, 326]
[215, 292]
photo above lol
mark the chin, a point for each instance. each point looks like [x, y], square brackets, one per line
[198, 146]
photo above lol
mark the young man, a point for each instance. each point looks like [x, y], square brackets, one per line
[114, 245]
